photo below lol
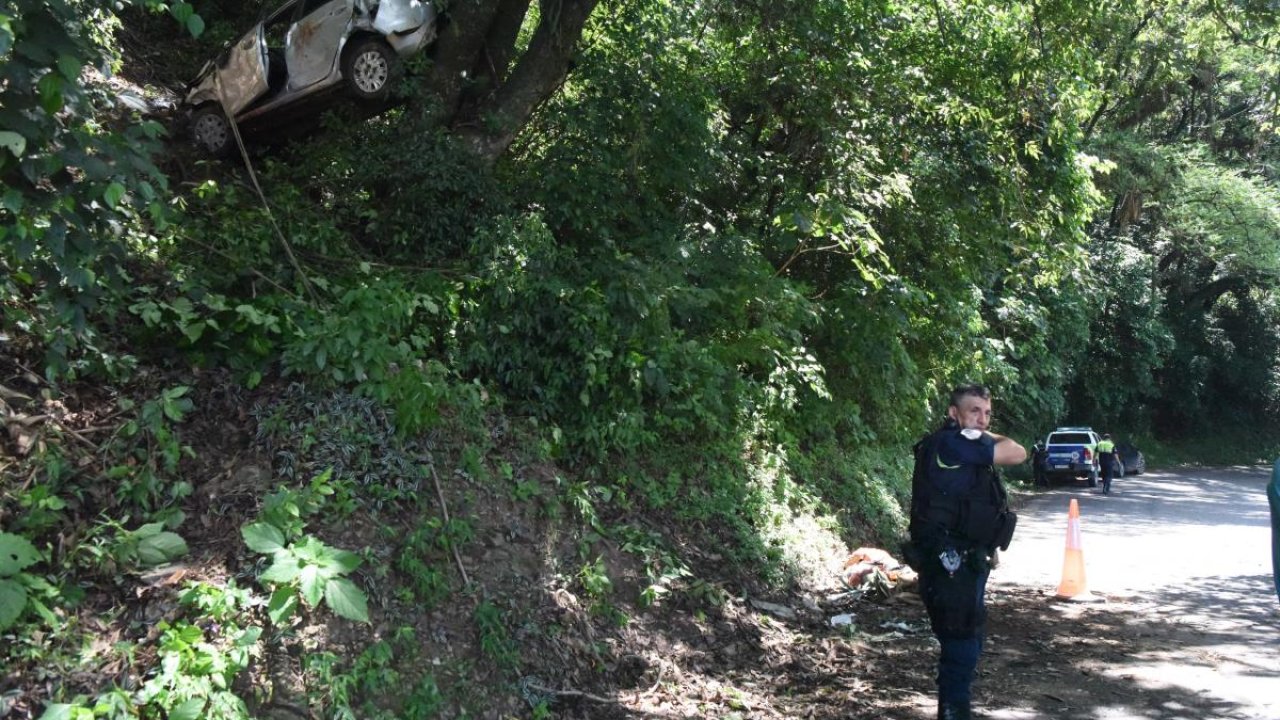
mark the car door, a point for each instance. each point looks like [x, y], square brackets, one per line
[242, 71]
[313, 42]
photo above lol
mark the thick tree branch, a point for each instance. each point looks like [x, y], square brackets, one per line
[539, 71]
[500, 43]
[1205, 297]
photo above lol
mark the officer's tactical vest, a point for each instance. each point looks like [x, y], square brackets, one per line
[976, 516]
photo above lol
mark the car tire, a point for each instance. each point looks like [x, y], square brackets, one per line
[211, 131]
[370, 67]
[1093, 478]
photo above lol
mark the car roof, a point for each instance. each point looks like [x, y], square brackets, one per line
[1074, 428]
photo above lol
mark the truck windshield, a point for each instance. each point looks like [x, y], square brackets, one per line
[1070, 439]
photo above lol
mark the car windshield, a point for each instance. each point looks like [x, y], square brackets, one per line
[1073, 438]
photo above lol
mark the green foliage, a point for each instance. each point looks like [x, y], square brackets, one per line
[220, 604]
[423, 561]
[377, 684]
[495, 641]
[16, 554]
[663, 568]
[210, 327]
[288, 509]
[308, 570]
[195, 676]
[78, 193]
[616, 352]
[193, 679]
[354, 438]
[148, 449]
[402, 191]
[148, 546]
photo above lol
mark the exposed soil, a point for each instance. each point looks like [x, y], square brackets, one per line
[1043, 659]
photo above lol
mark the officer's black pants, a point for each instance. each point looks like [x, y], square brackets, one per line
[957, 610]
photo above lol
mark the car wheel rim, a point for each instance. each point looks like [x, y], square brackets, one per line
[211, 132]
[370, 71]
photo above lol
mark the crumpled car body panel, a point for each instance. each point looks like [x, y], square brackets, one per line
[244, 80]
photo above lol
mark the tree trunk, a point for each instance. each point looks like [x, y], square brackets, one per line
[485, 92]
[456, 51]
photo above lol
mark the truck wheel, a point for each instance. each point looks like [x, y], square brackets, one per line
[1093, 478]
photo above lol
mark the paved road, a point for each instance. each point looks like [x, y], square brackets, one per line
[1191, 547]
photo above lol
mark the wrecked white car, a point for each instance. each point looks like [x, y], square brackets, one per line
[301, 51]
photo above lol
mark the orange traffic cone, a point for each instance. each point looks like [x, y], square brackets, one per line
[1073, 586]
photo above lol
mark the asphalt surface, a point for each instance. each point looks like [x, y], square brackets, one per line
[1191, 546]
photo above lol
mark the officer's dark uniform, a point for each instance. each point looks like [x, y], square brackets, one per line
[1107, 462]
[1039, 456]
[959, 516]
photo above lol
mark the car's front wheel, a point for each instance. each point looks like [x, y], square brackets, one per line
[211, 131]
[369, 67]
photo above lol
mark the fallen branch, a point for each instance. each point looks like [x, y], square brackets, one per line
[444, 511]
[568, 693]
[74, 434]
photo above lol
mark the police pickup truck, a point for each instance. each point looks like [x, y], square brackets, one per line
[1070, 453]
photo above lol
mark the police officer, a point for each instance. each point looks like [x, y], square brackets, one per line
[959, 516]
[1039, 456]
[1107, 461]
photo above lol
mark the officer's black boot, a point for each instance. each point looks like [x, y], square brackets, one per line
[954, 711]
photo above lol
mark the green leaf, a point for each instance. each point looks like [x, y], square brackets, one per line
[195, 26]
[6, 33]
[13, 142]
[113, 195]
[262, 537]
[57, 711]
[189, 710]
[248, 637]
[283, 602]
[69, 66]
[45, 613]
[13, 598]
[193, 331]
[148, 530]
[312, 583]
[345, 560]
[311, 551]
[162, 548]
[50, 89]
[346, 600]
[284, 570]
[16, 554]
